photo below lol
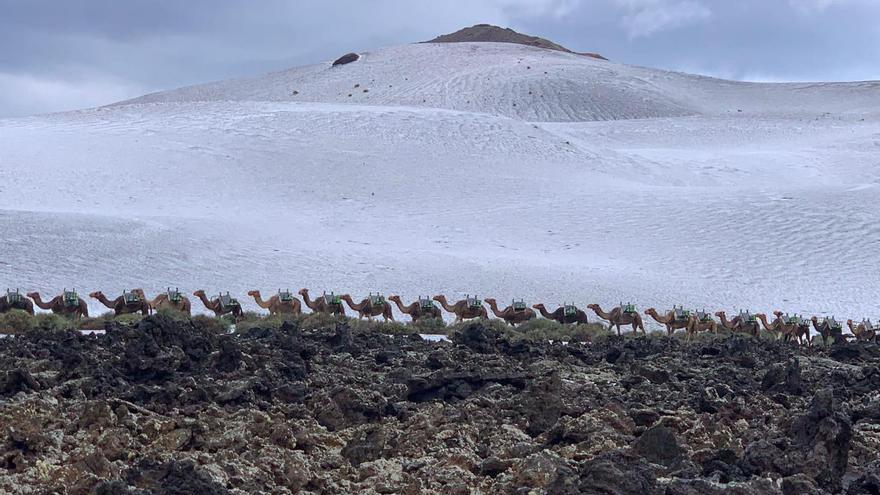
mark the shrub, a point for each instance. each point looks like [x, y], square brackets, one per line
[272, 322]
[212, 325]
[53, 322]
[16, 321]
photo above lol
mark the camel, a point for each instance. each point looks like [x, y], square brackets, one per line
[621, 316]
[829, 328]
[127, 303]
[785, 328]
[281, 303]
[15, 300]
[220, 305]
[423, 308]
[864, 331]
[703, 322]
[793, 327]
[330, 304]
[565, 314]
[672, 320]
[370, 306]
[515, 314]
[466, 309]
[67, 304]
[743, 322]
[172, 299]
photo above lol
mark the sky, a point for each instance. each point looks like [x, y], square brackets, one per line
[58, 55]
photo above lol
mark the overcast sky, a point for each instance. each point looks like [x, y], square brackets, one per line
[67, 54]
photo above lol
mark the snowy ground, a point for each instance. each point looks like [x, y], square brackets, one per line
[493, 169]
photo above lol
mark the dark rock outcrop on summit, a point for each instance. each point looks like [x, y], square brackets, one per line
[169, 407]
[486, 33]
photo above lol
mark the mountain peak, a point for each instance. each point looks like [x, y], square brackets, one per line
[487, 33]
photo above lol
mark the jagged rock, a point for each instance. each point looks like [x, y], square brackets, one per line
[346, 59]
[658, 445]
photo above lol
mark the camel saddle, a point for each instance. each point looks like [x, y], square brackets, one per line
[130, 298]
[377, 300]
[628, 308]
[227, 301]
[174, 295]
[833, 324]
[519, 305]
[569, 310]
[70, 298]
[747, 317]
[792, 320]
[332, 299]
[473, 302]
[703, 316]
[680, 314]
[285, 296]
[13, 297]
[426, 304]
[868, 325]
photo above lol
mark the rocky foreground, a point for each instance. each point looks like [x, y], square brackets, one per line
[169, 408]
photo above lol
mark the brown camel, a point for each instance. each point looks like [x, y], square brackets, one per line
[281, 303]
[421, 309]
[330, 304]
[466, 309]
[172, 299]
[127, 303]
[781, 328]
[743, 322]
[67, 304]
[703, 322]
[621, 316]
[565, 314]
[371, 306]
[828, 329]
[864, 331]
[515, 314]
[673, 320]
[221, 305]
[16, 300]
[793, 327]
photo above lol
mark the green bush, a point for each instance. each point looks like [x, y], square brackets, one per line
[315, 321]
[211, 324]
[16, 321]
[53, 322]
[272, 322]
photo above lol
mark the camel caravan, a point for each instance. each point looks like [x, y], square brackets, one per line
[790, 328]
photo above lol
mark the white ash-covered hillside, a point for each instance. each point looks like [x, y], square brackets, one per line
[527, 83]
[442, 173]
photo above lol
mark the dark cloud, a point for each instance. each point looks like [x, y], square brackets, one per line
[78, 53]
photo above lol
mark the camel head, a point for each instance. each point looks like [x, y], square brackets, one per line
[304, 292]
[777, 313]
[440, 298]
[538, 306]
[491, 301]
[32, 295]
[650, 311]
[814, 319]
[594, 306]
[96, 295]
[394, 298]
[254, 293]
[199, 293]
[720, 314]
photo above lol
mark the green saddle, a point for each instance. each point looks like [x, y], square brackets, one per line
[474, 302]
[70, 298]
[570, 310]
[332, 299]
[680, 314]
[628, 308]
[285, 296]
[14, 297]
[747, 317]
[377, 300]
[426, 304]
[174, 295]
[227, 301]
[519, 305]
[130, 298]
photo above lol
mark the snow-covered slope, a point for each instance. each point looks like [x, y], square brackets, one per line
[607, 183]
